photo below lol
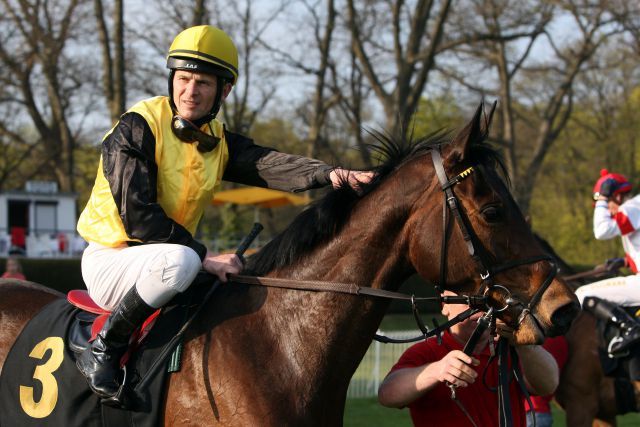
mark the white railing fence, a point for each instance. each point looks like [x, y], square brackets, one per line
[376, 364]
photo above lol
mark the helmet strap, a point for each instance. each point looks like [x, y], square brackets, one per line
[172, 72]
[217, 103]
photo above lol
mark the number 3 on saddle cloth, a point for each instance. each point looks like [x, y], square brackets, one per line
[40, 384]
[624, 369]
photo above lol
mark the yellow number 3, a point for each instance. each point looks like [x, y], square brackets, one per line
[43, 373]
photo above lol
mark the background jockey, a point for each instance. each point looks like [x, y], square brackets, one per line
[616, 213]
[159, 169]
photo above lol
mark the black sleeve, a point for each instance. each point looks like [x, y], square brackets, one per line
[253, 164]
[128, 157]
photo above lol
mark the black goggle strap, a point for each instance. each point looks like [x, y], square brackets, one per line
[188, 132]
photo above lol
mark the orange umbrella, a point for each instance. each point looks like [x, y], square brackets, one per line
[260, 197]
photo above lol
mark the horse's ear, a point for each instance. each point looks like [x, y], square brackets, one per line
[486, 123]
[476, 130]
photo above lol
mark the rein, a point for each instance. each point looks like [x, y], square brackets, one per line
[475, 302]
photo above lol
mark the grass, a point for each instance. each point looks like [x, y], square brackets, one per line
[368, 412]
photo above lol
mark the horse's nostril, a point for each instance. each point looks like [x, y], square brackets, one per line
[561, 318]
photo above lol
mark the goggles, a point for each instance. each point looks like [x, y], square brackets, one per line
[188, 132]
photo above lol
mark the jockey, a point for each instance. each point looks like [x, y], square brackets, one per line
[160, 167]
[616, 213]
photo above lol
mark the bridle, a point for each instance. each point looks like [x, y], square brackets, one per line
[486, 269]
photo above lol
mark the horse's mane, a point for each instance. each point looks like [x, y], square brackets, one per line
[325, 217]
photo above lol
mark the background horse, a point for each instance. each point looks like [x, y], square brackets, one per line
[272, 357]
[585, 393]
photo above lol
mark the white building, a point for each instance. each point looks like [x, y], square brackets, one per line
[39, 221]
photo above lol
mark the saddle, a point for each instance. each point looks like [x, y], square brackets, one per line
[41, 385]
[629, 365]
[90, 320]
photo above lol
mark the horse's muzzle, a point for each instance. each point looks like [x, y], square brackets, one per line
[562, 318]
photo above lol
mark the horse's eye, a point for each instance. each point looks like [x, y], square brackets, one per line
[492, 213]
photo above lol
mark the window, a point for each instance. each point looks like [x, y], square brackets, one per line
[46, 218]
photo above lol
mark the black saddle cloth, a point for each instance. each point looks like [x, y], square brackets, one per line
[40, 384]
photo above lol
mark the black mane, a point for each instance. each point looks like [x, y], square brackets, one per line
[326, 216]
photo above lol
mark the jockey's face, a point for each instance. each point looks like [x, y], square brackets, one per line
[194, 93]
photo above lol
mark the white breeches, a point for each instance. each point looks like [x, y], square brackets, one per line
[624, 290]
[159, 271]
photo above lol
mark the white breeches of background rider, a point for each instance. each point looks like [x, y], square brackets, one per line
[159, 271]
[624, 290]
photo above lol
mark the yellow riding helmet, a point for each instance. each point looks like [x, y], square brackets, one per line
[204, 49]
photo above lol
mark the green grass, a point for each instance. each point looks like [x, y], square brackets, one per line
[368, 412]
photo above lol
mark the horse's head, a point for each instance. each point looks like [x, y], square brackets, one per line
[394, 227]
[488, 247]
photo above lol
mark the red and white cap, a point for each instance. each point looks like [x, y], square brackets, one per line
[622, 183]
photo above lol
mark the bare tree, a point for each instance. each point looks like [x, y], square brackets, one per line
[113, 61]
[396, 47]
[336, 99]
[319, 145]
[46, 84]
[536, 93]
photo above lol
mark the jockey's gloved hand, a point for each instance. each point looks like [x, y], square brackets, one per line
[608, 187]
[614, 264]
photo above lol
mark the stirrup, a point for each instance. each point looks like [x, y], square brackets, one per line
[613, 355]
[121, 399]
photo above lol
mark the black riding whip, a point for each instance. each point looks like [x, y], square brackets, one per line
[171, 345]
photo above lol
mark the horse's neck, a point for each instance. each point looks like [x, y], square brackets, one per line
[314, 328]
[339, 327]
[297, 350]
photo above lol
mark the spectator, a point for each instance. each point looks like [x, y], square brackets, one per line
[420, 378]
[13, 269]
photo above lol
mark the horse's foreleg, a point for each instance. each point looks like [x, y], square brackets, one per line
[581, 412]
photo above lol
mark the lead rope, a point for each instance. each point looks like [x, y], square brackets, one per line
[504, 399]
[504, 404]
[483, 323]
[504, 351]
[517, 373]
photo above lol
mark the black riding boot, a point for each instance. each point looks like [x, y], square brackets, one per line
[100, 362]
[628, 326]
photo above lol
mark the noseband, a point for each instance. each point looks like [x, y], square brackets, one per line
[486, 269]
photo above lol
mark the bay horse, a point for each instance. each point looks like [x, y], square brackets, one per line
[273, 357]
[586, 394]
